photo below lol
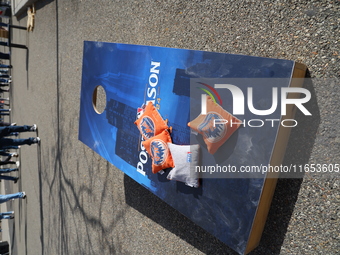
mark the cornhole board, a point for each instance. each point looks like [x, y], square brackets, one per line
[232, 209]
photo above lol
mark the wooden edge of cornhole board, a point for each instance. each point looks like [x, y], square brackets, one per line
[282, 139]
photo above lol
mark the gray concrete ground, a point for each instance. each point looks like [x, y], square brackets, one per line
[79, 204]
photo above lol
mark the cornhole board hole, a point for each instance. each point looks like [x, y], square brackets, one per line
[118, 78]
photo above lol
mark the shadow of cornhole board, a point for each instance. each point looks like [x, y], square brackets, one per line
[233, 208]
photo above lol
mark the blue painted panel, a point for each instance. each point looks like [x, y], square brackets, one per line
[224, 207]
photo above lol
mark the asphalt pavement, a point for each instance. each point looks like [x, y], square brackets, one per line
[78, 203]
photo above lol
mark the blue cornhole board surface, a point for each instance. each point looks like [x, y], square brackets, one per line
[224, 207]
